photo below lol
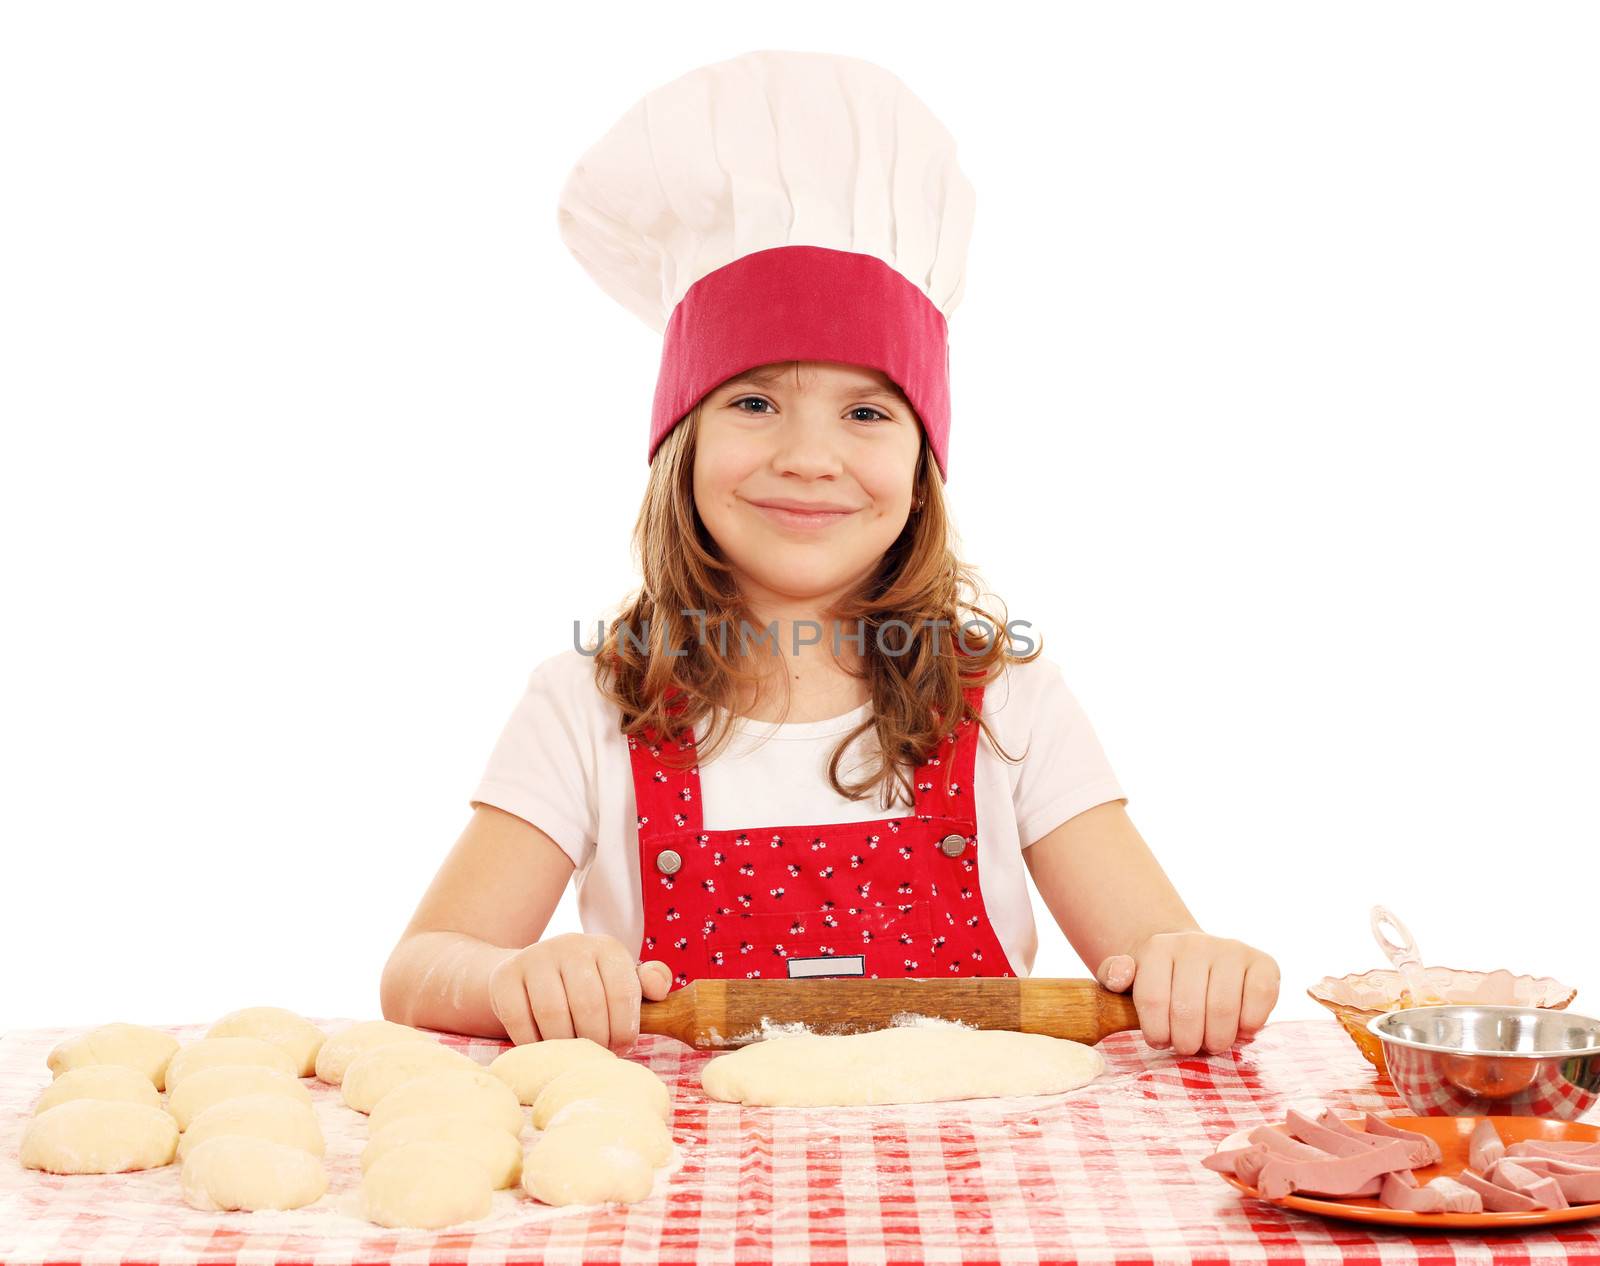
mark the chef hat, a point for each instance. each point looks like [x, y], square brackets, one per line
[779, 206]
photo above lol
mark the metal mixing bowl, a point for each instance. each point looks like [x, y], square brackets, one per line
[1461, 1060]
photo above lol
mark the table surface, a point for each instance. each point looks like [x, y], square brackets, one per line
[1109, 1174]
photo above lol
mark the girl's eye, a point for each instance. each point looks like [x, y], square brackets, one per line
[877, 414]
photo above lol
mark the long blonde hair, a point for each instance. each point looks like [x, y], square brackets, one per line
[919, 580]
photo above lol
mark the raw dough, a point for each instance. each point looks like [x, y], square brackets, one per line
[499, 1151]
[427, 1185]
[341, 1049]
[621, 1079]
[211, 1086]
[299, 1038]
[99, 1081]
[528, 1068]
[911, 1064]
[233, 1171]
[99, 1136]
[137, 1046]
[472, 1092]
[379, 1070]
[579, 1164]
[209, 1052]
[624, 1123]
[267, 1116]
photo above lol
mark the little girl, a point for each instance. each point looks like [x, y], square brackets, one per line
[769, 764]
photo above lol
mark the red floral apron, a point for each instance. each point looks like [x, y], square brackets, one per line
[889, 897]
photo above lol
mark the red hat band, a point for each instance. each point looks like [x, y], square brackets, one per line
[805, 303]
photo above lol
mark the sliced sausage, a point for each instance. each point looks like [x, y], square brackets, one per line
[1430, 1147]
[1458, 1197]
[1537, 1187]
[1496, 1199]
[1340, 1176]
[1396, 1195]
[1485, 1149]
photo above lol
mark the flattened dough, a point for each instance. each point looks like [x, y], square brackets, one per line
[913, 1064]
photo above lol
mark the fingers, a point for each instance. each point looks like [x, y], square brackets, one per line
[1188, 1006]
[587, 1003]
[1260, 993]
[622, 989]
[655, 979]
[547, 995]
[1152, 992]
[1116, 973]
[1224, 989]
[509, 999]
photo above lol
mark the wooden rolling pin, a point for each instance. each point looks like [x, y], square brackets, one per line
[726, 1013]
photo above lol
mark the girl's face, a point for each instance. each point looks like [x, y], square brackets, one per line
[835, 442]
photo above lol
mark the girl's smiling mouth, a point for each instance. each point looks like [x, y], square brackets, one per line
[806, 515]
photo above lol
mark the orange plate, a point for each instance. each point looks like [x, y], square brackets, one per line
[1452, 1134]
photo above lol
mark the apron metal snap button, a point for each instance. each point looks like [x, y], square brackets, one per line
[953, 845]
[668, 862]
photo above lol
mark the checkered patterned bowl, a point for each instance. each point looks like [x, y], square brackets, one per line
[1357, 999]
[1466, 1061]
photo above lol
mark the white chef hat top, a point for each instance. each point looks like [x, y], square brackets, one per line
[696, 209]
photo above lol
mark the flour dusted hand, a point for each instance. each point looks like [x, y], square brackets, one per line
[575, 985]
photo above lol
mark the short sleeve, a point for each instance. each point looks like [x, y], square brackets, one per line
[1065, 770]
[542, 767]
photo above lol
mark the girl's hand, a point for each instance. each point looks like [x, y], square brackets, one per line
[576, 985]
[1194, 990]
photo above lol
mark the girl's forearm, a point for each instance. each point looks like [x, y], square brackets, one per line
[440, 980]
[1107, 891]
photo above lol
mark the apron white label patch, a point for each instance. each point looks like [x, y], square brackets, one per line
[829, 965]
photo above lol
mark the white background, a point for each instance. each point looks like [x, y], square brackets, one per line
[1275, 386]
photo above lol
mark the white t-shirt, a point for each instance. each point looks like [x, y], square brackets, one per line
[562, 764]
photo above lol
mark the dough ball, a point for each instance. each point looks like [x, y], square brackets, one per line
[233, 1171]
[498, 1150]
[462, 1092]
[143, 1049]
[426, 1185]
[268, 1116]
[621, 1079]
[625, 1123]
[209, 1052]
[99, 1081]
[528, 1068]
[99, 1136]
[578, 1164]
[211, 1086]
[299, 1038]
[374, 1074]
[340, 1050]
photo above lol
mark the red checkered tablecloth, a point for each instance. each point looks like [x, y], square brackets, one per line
[1108, 1174]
